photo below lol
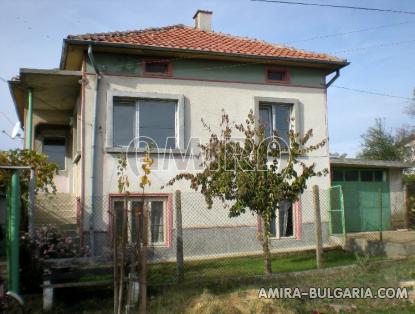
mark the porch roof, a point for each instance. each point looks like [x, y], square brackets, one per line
[51, 89]
[363, 163]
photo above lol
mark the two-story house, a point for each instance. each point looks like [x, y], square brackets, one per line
[156, 84]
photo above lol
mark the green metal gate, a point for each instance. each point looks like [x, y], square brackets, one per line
[337, 222]
[366, 198]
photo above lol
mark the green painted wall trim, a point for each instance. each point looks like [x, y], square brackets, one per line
[205, 70]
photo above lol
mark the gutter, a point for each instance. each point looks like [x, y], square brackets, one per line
[93, 150]
[333, 79]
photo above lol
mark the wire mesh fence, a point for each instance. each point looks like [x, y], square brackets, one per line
[189, 240]
[209, 239]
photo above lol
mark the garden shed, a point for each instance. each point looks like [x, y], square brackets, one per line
[373, 193]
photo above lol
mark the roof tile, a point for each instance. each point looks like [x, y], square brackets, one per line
[184, 37]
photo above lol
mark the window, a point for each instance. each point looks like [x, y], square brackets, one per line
[149, 121]
[378, 175]
[156, 221]
[157, 68]
[337, 175]
[366, 176]
[277, 75]
[55, 149]
[282, 223]
[276, 117]
[351, 175]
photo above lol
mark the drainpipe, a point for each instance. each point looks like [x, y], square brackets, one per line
[30, 119]
[333, 79]
[93, 149]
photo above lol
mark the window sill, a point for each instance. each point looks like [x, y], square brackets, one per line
[282, 238]
[175, 151]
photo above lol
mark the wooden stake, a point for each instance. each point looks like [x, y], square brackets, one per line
[317, 225]
[143, 274]
[179, 237]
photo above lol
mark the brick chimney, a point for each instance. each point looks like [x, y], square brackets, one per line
[203, 20]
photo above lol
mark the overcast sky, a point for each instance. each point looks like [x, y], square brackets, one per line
[380, 46]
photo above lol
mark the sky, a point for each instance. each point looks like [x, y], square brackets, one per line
[380, 47]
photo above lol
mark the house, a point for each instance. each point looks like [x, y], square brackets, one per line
[158, 83]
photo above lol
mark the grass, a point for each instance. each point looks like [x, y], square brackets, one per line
[214, 294]
[243, 299]
[247, 266]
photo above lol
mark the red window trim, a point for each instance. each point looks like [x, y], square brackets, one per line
[169, 215]
[287, 75]
[169, 72]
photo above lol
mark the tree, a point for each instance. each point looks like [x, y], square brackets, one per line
[247, 175]
[410, 109]
[44, 170]
[379, 144]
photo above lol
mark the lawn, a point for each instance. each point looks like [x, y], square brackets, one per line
[248, 266]
[212, 293]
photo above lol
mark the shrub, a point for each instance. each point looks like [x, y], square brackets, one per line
[48, 242]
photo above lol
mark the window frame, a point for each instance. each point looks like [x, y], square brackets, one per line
[296, 110]
[277, 226]
[179, 118]
[168, 73]
[136, 130]
[167, 215]
[57, 137]
[273, 118]
[286, 71]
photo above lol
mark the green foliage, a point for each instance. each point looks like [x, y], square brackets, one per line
[409, 178]
[123, 182]
[44, 170]
[379, 144]
[48, 242]
[249, 171]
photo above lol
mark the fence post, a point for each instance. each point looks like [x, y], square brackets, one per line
[317, 225]
[179, 237]
[380, 215]
[31, 207]
[142, 307]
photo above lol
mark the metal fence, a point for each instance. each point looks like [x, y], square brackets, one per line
[184, 233]
[181, 224]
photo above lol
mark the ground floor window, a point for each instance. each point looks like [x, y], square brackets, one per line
[282, 222]
[157, 220]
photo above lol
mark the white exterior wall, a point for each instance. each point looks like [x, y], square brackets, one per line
[201, 100]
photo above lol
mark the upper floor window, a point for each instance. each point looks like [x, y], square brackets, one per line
[157, 68]
[276, 75]
[138, 122]
[276, 117]
[55, 149]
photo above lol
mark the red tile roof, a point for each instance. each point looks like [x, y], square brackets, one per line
[189, 38]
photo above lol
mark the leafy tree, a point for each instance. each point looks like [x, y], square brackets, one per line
[44, 170]
[253, 173]
[379, 144]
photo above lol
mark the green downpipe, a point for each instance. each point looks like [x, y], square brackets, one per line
[13, 223]
[30, 119]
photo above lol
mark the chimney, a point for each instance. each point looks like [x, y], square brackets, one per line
[203, 20]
